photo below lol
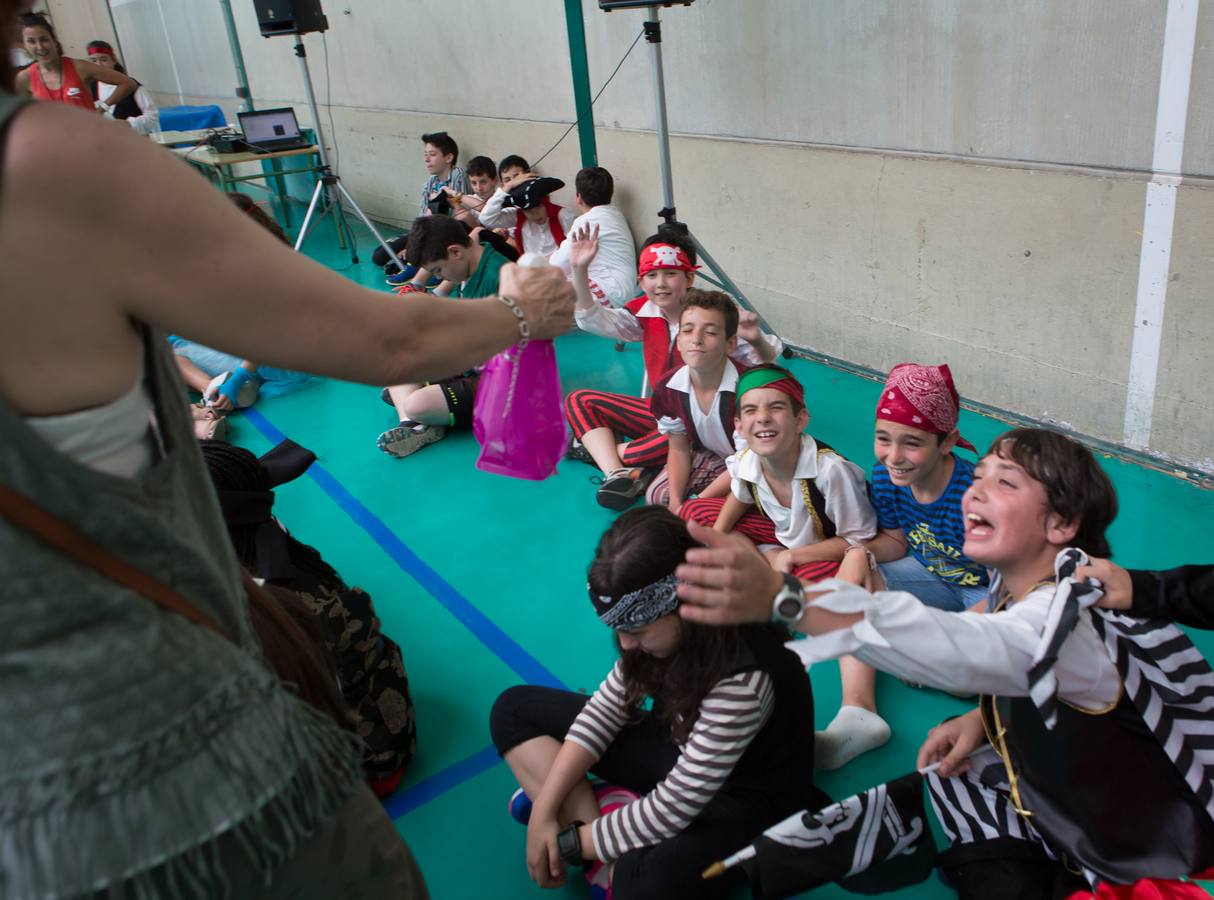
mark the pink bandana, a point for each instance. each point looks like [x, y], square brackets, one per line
[922, 397]
[664, 256]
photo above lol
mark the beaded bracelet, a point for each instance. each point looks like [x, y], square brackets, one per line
[872, 560]
[524, 330]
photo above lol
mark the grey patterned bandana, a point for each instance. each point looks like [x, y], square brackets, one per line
[638, 608]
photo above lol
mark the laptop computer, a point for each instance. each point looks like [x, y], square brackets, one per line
[271, 130]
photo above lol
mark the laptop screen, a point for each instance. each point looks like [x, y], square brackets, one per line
[269, 125]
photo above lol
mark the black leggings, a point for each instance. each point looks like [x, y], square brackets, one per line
[379, 256]
[639, 758]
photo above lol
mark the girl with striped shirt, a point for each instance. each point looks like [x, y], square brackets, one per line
[725, 751]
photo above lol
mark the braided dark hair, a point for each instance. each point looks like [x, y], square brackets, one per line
[236, 469]
[254, 211]
[640, 547]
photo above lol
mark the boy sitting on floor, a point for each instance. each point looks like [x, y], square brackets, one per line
[443, 246]
[494, 214]
[695, 404]
[439, 155]
[917, 485]
[540, 225]
[482, 180]
[806, 508]
[599, 418]
[1110, 784]
[612, 272]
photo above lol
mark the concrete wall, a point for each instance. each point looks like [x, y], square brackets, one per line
[1184, 405]
[78, 23]
[911, 179]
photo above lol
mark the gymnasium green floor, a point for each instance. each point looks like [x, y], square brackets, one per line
[481, 579]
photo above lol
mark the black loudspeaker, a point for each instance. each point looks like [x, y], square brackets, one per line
[289, 17]
[609, 5]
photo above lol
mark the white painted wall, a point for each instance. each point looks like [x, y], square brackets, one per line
[958, 180]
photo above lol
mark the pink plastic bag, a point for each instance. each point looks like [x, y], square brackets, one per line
[518, 418]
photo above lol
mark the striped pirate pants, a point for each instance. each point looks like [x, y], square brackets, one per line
[628, 417]
[994, 854]
[757, 527]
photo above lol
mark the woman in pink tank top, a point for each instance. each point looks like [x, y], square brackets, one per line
[60, 78]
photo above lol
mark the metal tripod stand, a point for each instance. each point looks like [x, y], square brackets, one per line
[329, 185]
[670, 222]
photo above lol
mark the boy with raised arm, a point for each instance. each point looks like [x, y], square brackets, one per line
[600, 419]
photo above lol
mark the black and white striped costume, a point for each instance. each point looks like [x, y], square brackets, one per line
[1114, 785]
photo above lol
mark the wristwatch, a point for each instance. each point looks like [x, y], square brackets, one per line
[789, 604]
[569, 844]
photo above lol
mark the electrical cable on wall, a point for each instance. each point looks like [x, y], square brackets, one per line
[576, 121]
[324, 40]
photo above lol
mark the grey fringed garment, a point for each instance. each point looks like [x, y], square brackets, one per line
[134, 745]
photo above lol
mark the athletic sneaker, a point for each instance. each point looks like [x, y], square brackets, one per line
[520, 807]
[407, 438]
[398, 277]
[622, 488]
[576, 451]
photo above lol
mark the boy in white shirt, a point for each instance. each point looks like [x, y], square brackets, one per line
[695, 405]
[482, 180]
[494, 214]
[613, 271]
[619, 433]
[805, 507]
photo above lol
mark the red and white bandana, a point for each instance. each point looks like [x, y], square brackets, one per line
[664, 256]
[922, 397]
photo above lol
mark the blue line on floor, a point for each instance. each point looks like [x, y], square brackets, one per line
[526, 666]
[440, 782]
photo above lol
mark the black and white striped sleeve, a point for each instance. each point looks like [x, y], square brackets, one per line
[732, 713]
[603, 715]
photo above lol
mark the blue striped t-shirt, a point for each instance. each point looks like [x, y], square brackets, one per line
[935, 531]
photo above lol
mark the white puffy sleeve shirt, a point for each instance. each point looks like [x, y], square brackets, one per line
[841, 483]
[986, 653]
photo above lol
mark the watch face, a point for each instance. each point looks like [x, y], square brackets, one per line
[790, 608]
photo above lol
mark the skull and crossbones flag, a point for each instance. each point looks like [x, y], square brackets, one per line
[882, 833]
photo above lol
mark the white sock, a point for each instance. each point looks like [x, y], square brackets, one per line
[854, 730]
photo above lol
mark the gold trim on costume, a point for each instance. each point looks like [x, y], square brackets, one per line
[819, 531]
[996, 736]
[1104, 710]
